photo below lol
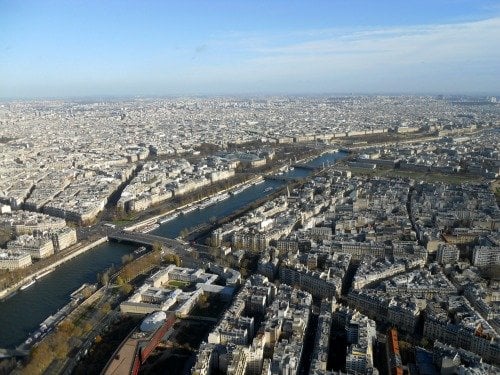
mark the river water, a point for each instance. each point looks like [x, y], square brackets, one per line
[22, 313]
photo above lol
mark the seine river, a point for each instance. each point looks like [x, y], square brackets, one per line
[22, 313]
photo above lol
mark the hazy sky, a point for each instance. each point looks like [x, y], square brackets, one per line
[104, 47]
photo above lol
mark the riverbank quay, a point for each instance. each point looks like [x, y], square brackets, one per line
[79, 249]
[178, 210]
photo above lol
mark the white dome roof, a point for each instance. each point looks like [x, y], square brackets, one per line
[153, 321]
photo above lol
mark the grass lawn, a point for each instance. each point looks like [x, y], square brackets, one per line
[178, 284]
[122, 222]
[418, 176]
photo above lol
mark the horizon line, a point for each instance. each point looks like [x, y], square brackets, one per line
[246, 95]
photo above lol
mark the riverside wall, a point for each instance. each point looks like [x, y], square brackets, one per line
[6, 292]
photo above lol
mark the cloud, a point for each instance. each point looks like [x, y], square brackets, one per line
[390, 58]
[449, 40]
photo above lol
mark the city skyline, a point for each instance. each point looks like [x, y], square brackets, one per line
[58, 49]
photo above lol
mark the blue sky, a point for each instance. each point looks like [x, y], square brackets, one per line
[105, 47]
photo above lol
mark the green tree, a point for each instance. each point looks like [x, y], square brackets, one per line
[184, 233]
[203, 300]
[177, 260]
[87, 292]
[77, 332]
[103, 278]
[157, 247]
[126, 288]
[6, 234]
[127, 273]
[61, 348]
[119, 281]
[169, 258]
[127, 258]
[67, 327]
[41, 356]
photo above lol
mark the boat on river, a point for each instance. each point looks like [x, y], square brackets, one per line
[140, 250]
[26, 286]
[188, 210]
[167, 218]
[44, 274]
[239, 190]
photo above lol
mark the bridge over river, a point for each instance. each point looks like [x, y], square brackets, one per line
[146, 239]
